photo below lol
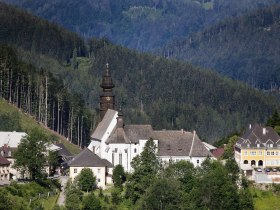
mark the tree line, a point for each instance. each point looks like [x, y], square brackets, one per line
[37, 93]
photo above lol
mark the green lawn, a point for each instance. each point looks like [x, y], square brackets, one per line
[265, 200]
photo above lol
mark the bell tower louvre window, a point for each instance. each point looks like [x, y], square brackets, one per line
[107, 98]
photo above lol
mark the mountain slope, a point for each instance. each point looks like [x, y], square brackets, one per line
[13, 116]
[245, 48]
[166, 93]
[142, 25]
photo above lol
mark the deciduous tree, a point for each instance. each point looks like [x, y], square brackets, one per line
[31, 154]
[86, 180]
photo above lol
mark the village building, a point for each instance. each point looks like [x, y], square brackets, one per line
[9, 142]
[102, 169]
[4, 169]
[119, 143]
[259, 147]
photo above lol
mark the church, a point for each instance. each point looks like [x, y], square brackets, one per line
[119, 143]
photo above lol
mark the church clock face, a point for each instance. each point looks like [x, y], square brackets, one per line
[107, 98]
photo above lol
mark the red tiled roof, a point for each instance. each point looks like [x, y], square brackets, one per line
[4, 161]
[217, 153]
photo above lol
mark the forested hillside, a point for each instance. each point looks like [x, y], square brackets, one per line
[142, 25]
[245, 48]
[37, 93]
[19, 28]
[166, 93]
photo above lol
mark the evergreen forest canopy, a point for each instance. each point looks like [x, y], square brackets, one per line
[243, 48]
[142, 25]
[166, 93]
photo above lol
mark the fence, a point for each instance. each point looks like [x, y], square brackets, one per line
[43, 195]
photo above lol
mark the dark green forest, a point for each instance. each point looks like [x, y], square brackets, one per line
[166, 93]
[141, 25]
[244, 48]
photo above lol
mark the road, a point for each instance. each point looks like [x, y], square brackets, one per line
[61, 198]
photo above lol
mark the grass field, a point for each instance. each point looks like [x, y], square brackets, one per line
[265, 200]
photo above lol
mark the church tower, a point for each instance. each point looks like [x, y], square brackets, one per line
[107, 98]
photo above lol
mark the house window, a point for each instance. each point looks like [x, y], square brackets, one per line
[245, 153]
[270, 145]
[253, 153]
[120, 158]
[248, 145]
[135, 150]
[75, 170]
[276, 153]
[272, 153]
[197, 161]
[267, 153]
[116, 150]
[258, 145]
[98, 170]
[98, 180]
[260, 152]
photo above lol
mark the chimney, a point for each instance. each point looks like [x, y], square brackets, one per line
[264, 131]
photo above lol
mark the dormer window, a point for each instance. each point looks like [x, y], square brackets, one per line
[270, 145]
[258, 145]
[248, 145]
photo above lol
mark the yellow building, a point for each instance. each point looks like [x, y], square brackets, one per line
[258, 147]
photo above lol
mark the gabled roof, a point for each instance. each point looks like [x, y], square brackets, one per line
[4, 161]
[118, 137]
[104, 124]
[86, 158]
[11, 139]
[136, 132]
[258, 134]
[180, 143]
[130, 134]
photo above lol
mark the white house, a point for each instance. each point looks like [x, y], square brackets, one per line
[102, 169]
[9, 142]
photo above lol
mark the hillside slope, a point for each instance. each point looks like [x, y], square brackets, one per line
[13, 116]
[142, 25]
[245, 48]
[166, 93]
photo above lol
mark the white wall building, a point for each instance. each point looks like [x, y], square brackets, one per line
[102, 169]
[119, 143]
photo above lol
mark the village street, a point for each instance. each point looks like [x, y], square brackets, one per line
[61, 199]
